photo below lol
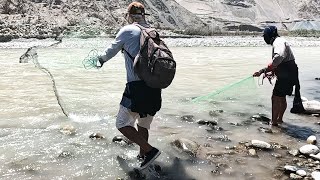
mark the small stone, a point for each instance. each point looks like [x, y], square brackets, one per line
[312, 140]
[234, 124]
[207, 123]
[252, 152]
[96, 136]
[294, 152]
[265, 130]
[260, 144]
[295, 176]
[317, 78]
[301, 172]
[315, 175]
[65, 154]
[316, 157]
[276, 155]
[215, 113]
[68, 130]
[290, 168]
[315, 115]
[309, 149]
[187, 118]
[261, 118]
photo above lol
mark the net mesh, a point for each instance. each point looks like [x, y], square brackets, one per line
[91, 61]
[239, 91]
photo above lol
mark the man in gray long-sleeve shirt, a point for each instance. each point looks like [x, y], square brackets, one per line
[139, 102]
[284, 66]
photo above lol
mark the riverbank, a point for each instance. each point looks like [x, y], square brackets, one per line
[214, 41]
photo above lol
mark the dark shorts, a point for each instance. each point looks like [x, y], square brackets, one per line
[287, 77]
[142, 99]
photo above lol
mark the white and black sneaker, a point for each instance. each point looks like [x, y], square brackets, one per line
[150, 157]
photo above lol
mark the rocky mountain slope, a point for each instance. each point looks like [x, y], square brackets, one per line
[48, 18]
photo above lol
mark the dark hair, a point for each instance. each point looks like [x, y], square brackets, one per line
[271, 31]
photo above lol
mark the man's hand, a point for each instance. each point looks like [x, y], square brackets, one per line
[256, 74]
[101, 62]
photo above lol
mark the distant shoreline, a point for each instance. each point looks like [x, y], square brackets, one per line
[173, 41]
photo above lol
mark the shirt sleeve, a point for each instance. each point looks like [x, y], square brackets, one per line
[121, 37]
[279, 49]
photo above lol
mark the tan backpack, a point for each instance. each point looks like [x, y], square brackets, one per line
[154, 63]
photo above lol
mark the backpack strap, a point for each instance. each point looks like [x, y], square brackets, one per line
[125, 51]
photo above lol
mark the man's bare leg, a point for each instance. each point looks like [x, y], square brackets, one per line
[132, 134]
[282, 109]
[276, 105]
[143, 132]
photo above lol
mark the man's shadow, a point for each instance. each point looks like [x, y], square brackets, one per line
[298, 132]
[174, 171]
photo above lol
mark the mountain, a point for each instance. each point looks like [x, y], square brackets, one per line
[48, 18]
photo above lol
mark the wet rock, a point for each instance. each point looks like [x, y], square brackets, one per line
[312, 140]
[207, 123]
[316, 157]
[276, 155]
[215, 113]
[288, 168]
[65, 154]
[261, 118]
[122, 140]
[230, 147]
[96, 136]
[301, 173]
[275, 145]
[315, 175]
[187, 118]
[260, 144]
[252, 152]
[214, 129]
[295, 176]
[68, 130]
[235, 124]
[309, 149]
[294, 152]
[315, 115]
[265, 130]
[186, 145]
[222, 138]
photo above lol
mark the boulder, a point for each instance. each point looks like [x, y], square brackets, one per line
[309, 149]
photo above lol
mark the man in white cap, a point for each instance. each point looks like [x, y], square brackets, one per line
[139, 102]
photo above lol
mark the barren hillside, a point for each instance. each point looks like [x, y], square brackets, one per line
[48, 18]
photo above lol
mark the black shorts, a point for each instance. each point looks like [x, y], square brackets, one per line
[142, 99]
[287, 77]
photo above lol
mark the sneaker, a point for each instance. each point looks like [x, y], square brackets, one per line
[150, 157]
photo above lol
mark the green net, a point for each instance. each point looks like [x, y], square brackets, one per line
[91, 61]
[239, 90]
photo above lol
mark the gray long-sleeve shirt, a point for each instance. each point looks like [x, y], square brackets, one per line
[128, 38]
[281, 52]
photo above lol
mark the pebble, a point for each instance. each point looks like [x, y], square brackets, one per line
[96, 136]
[215, 113]
[309, 149]
[207, 123]
[290, 168]
[187, 118]
[294, 152]
[260, 144]
[252, 152]
[315, 175]
[295, 176]
[301, 172]
[312, 140]
[316, 157]
[68, 130]
[265, 130]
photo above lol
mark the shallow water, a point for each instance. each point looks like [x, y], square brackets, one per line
[30, 117]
